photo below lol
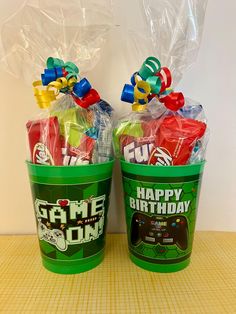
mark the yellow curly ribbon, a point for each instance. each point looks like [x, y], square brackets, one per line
[57, 85]
[71, 82]
[138, 107]
[137, 78]
[141, 95]
[45, 97]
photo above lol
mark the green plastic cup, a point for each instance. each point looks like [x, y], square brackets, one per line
[71, 204]
[161, 208]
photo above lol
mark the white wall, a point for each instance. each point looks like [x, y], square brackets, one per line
[211, 81]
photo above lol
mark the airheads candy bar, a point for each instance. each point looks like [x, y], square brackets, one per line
[44, 141]
[170, 142]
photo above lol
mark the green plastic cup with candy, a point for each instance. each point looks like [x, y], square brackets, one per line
[70, 155]
[70, 171]
[161, 145]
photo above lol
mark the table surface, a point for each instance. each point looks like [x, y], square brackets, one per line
[208, 285]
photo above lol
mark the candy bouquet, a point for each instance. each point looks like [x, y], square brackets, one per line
[79, 124]
[163, 128]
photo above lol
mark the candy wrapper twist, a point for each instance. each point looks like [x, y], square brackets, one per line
[78, 124]
[164, 128]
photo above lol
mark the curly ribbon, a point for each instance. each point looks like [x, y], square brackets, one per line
[43, 97]
[141, 91]
[61, 84]
[150, 66]
[173, 101]
[50, 75]
[138, 107]
[127, 94]
[166, 92]
[60, 77]
[165, 74]
[155, 84]
[54, 62]
[82, 88]
[70, 67]
[89, 99]
[152, 80]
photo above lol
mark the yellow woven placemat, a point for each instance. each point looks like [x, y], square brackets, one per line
[208, 285]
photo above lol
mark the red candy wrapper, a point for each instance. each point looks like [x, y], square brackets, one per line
[150, 127]
[136, 149]
[78, 155]
[175, 140]
[44, 141]
[166, 141]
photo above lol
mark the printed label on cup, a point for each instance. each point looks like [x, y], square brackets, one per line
[71, 219]
[70, 222]
[160, 216]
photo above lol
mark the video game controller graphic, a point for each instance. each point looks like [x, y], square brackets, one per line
[54, 236]
[156, 229]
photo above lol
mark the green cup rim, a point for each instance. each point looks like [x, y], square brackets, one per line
[164, 171]
[29, 163]
[90, 170]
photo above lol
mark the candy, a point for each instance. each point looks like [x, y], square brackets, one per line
[175, 140]
[73, 124]
[81, 134]
[150, 127]
[105, 107]
[136, 149]
[131, 128]
[44, 141]
[167, 141]
[103, 126]
[76, 155]
[160, 131]
[191, 111]
[103, 145]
